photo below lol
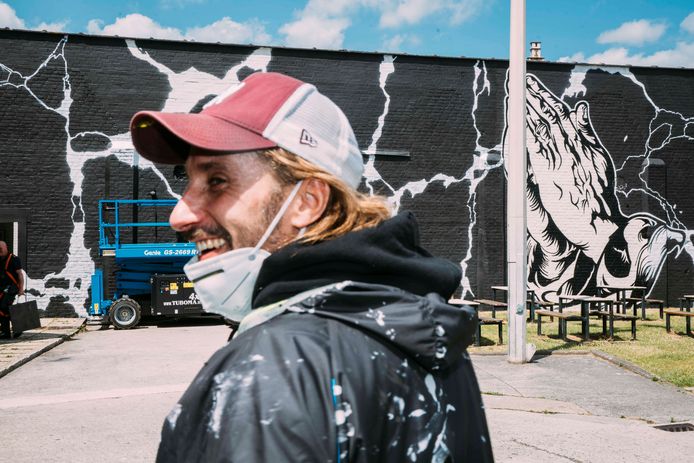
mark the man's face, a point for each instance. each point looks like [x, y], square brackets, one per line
[228, 203]
[3, 249]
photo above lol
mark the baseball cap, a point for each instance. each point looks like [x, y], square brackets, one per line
[266, 110]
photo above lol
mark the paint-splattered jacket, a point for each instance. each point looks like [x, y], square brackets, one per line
[352, 355]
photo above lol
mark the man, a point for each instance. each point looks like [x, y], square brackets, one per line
[11, 285]
[346, 349]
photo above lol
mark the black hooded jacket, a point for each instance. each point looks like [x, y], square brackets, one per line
[350, 355]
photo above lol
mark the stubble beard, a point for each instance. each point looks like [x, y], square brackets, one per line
[248, 235]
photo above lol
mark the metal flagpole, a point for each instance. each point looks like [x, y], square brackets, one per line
[516, 165]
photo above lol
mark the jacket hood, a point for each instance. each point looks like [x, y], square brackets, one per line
[389, 254]
[377, 280]
[427, 329]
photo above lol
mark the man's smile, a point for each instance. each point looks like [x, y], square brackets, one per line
[211, 247]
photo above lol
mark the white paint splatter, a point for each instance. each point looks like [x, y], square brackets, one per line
[224, 385]
[376, 315]
[399, 403]
[272, 411]
[173, 415]
[417, 413]
[339, 417]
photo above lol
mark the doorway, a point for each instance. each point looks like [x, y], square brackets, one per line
[13, 232]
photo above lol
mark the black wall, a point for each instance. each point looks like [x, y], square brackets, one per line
[66, 102]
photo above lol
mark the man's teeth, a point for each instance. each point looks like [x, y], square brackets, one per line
[209, 244]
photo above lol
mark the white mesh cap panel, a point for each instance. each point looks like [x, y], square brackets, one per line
[310, 125]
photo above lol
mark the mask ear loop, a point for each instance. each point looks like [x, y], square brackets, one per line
[277, 219]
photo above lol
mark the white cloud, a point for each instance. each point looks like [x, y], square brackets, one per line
[396, 42]
[578, 57]
[8, 17]
[322, 23]
[688, 23]
[395, 14]
[327, 8]
[169, 4]
[134, 25]
[408, 11]
[229, 31]
[680, 56]
[225, 30]
[58, 26]
[634, 33]
[315, 31]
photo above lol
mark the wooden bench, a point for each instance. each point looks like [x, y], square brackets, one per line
[649, 302]
[538, 304]
[679, 313]
[482, 320]
[562, 318]
[489, 321]
[493, 304]
[611, 316]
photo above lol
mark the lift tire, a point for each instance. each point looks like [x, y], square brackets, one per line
[125, 313]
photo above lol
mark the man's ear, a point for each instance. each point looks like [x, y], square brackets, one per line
[310, 203]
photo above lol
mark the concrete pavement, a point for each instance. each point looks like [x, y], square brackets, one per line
[32, 343]
[573, 408]
[581, 408]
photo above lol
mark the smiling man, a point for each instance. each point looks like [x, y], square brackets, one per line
[345, 349]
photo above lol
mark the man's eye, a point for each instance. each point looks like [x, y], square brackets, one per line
[216, 182]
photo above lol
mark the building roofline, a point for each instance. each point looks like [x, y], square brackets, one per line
[352, 52]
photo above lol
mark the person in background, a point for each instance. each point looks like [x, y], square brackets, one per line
[346, 349]
[11, 285]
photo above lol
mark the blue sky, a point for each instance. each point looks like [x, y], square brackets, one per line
[639, 32]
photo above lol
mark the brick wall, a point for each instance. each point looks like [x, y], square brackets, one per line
[601, 215]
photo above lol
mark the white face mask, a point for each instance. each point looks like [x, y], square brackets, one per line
[225, 283]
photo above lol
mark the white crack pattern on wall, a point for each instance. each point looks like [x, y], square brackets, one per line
[190, 86]
[371, 175]
[482, 161]
[187, 88]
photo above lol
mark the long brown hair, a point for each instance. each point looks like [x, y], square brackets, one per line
[347, 209]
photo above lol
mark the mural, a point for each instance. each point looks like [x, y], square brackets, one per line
[578, 237]
[608, 202]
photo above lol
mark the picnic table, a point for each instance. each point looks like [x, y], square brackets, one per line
[610, 315]
[684, 311]
[621, 291]
[532, 300]
[585, 306]
[584, 316]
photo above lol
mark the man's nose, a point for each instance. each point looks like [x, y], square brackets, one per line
[185, 215]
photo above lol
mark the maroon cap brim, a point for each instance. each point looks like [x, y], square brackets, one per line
[166, 138]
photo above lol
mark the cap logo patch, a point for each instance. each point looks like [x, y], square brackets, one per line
[307, 139]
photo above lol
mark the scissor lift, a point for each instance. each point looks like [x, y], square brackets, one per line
[149, 280]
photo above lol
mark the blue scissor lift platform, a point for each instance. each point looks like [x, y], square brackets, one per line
[149, 280]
